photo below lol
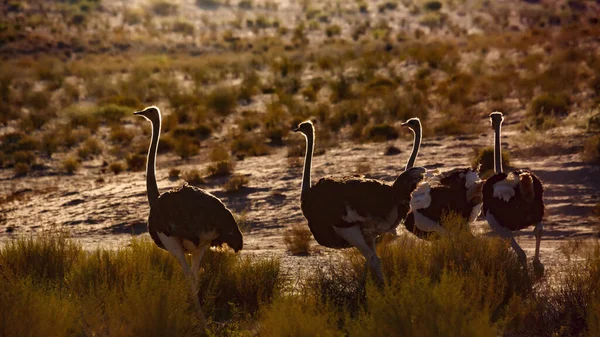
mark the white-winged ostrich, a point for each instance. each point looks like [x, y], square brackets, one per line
[185, 219]
[457, 191]
[352, 211]
[513, 201]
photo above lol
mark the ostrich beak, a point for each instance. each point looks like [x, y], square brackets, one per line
[404, 124]
[138, 113]
[297, 130]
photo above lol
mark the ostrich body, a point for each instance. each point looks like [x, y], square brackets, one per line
[455, 191]
[513, 201]
[186, 220]
[352, 211]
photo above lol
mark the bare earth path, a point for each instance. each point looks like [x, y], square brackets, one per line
[104, 210]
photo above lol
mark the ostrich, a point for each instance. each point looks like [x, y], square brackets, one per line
[186, 219]
[458, 191]
[353, 211]
[513, 201]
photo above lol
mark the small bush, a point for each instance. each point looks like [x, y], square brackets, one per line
[70, 165]
[391, 150]
[193, 177]
[333, 30]
[21, 169]
[174, 173]
[136, 162]
[249, 145]
[220, 168]
[183, 27]
[433, 5]
[297, 239]
[381, 133]
[121, 135]
[222, 100]
[116, 167]
[591, 149]
[91, 147]
[164, 8]
[235, 183]
[484, 160]
[186, 147]
[546, 105]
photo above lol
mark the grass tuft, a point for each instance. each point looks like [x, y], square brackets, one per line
[297, 240]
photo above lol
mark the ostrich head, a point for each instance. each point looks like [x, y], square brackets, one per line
[496, 119]
[151, 113]
[306, 128]
[413, 124]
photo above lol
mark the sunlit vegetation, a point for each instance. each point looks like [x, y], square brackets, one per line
[297, 239]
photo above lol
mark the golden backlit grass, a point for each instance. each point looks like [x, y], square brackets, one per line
[461, 285]
[50, 286]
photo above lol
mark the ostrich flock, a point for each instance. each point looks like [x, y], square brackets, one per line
[353, 211]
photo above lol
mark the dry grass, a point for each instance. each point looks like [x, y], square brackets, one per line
[297, 239]
[63, 290]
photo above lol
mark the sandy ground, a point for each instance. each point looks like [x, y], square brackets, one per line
[106, 210]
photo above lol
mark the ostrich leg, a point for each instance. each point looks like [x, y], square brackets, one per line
[355, 237]
[505, 233]
[175, 247]
[538, 267]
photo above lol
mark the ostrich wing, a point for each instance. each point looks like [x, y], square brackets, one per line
[190, 213]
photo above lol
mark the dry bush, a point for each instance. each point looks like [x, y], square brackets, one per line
[121, 135]
[222, 100]
[245, 144]
[61, 288]
[295, 316]
[70, 165]
[235, 183]
[591, 149]
[484, 160]
[91, 147]
[163, 8]
[136, 162]
[549, 105]
[381, 133]
[221, 164]
[116, 167]
[193, 177]
[174, 173]
[297, 239]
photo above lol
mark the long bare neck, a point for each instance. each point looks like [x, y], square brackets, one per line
[497, 149]
[151, 185]
[310, 142]
[415, 149]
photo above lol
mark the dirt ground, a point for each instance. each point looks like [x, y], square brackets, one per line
[106, 210]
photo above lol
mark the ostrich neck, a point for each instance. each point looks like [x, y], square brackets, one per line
[415, 149]
[497, 150]
[310, 140]
[151, 185]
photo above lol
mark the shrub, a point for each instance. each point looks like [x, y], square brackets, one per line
[220, 168]
[112, 113]
[333, 30]
[121, 135]
[222, 100]
[136, 162]
[297, 239]
[235, 183]
[381, 133]
[70, 165]
[484, 160]
[183, 27]
[245, 144]
[164, 8]
[21, 169]
[116, 167]
[591, 149]
[433, 5]
[193, 177]
[174, 173]
[546, 105]
[294, 316]
[91, 147]
[208, 3]
[186, 147]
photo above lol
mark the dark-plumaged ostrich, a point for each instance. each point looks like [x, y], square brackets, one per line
[187, 219]
[456, 191]
[513, 201]
[353, 211]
